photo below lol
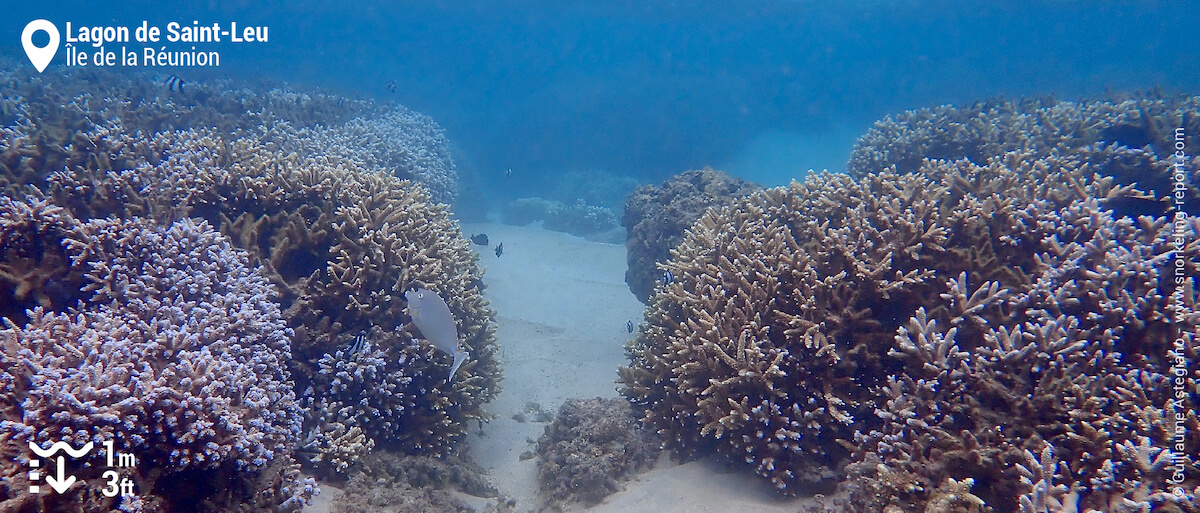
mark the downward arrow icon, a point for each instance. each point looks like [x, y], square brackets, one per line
[61, 484]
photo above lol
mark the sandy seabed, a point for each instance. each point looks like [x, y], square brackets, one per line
[561, 310]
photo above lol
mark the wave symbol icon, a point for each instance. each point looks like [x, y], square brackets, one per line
[61, 446]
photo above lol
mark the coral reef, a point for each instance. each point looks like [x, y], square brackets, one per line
[915, 337]
[51, 114]
[417, 484]
[342, 243]
[590, 448]
[577, 219]
[580, 203]
[328, 222]
[177, 355]
[1132, 140]
[656, 217]
[399, 142]
[596, 187]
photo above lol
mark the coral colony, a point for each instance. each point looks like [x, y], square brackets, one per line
[989, 332]
[187, 281]
[178, 355]
[657, 216]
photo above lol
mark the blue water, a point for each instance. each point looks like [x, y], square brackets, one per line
[765, 90]
[584, 101]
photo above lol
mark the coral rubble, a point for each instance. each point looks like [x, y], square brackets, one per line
[417, 484]
[577, 219]
[656, 216]
[918, 337]
[586, 204]
[592, 445]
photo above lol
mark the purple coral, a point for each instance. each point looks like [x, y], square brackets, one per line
[399, 142]
[178, 357]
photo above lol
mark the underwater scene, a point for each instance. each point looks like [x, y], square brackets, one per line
[685, 256]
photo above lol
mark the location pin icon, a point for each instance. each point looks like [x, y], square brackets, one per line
[40, 57]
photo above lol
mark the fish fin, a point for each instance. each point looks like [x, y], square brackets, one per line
[459, 357]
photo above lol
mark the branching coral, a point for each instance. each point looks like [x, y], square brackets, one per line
[404, 144]
[655, 218]
[174, 362]
[177, 355]
[1130, 140]
[52, 115]
[1074, 369]
[343, 243]
[332, 448]
[927, 329]
[34, 267]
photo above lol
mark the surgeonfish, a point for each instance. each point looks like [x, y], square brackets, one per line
[480, 239]
[431, 315]
[499, 250]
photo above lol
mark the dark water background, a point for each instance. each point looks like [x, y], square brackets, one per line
[765, 89]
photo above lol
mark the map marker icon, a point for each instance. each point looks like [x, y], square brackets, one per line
[40, 57]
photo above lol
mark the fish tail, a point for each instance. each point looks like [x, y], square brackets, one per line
[459, 358]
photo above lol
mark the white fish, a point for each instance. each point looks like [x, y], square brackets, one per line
[431, 315]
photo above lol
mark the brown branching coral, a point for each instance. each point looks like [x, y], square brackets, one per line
[1132, 140]
[34, 266]
[915, 335]
[332, 448]
[342, 243]
[655, 218]
[749, 330]
[328, 222]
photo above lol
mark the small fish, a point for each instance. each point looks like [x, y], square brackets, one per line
[480, 239]
[431, 315]
[508, 173]
[391, 85]
[668, 278]
[360, 345]
[499, 250]
[174, 83]
[629, 326]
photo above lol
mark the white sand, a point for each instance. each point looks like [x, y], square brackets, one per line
[561, 306]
